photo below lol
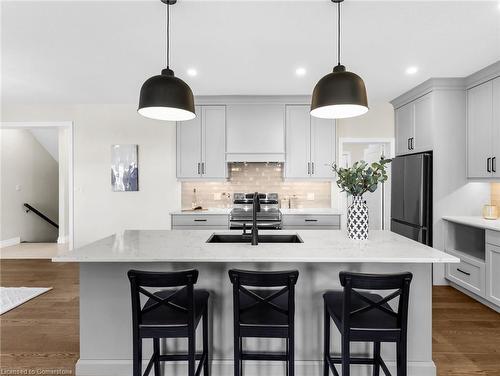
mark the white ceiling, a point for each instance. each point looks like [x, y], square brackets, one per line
[102, 51]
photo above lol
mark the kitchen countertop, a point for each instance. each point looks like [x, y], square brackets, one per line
[284, 211]
[319, 246]
[480, 222]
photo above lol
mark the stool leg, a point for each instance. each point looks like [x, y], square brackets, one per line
[156, 351]
[401, 358]
[191, 355]
[346, 355]
[376, 357]
[291, 353]
[237, 349]
[326, 339]
[205, 343]
[137, 356]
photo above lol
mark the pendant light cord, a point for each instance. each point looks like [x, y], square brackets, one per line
[338, 33]
[167, 27]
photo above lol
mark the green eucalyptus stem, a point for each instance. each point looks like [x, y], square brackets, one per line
[361, 177]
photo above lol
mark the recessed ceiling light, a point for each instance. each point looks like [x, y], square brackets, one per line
[192, 72]
[411, 70]
[300, 71]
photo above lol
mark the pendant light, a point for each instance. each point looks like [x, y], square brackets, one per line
[340, 94]
[166, 97]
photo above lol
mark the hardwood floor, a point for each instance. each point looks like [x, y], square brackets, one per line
[42, 334]
[466, 335]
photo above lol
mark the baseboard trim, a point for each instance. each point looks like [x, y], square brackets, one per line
[101, 367]
[9, 242]
[480, 299]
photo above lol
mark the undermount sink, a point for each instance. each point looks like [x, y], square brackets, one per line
[267, 238]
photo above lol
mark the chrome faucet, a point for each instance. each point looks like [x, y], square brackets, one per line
[256, 209]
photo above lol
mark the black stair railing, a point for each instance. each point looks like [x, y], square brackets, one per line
[40, 214]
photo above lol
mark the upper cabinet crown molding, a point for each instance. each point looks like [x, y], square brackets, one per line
[426, 87]
[486, 74]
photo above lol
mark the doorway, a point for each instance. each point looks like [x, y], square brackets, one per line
[370, 150]
[37, 189]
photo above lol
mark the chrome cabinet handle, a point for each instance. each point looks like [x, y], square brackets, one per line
[308, 168]
[488, 164]
[494, 164]
[311, 220]
[461, 271]
[312, 168]
[409, 148]
[200, 220]
[198, 168]
[203, 168]
[411, 143]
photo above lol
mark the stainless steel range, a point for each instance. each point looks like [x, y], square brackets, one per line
[269, 216]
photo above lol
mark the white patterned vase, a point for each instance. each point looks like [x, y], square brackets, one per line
[357, 219]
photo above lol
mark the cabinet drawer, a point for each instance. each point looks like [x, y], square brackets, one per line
[469, 273]
[493, 237]
[306, 220]
[201, 220]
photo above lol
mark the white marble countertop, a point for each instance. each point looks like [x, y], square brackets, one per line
[487, 224]
[284, 211]
[311, 211]
[190, 246]
[209, 211]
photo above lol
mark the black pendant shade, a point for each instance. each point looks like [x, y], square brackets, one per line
[166, 97]
[338, 95]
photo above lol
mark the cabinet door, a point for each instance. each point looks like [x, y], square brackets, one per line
[404, 128]
[214, 142]
[422, 123]
[298, 141]
[322, 148]
[189, 147]
[256, 128]
[493, 273]
[479, 130]
[496, 127]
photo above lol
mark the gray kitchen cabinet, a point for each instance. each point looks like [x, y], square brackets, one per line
[493, 273]
[200, 221]
[201, 145]
[480, 130]
[311, 221]
[255, 132]
[414, 126]
[496, 127]
[310, 144]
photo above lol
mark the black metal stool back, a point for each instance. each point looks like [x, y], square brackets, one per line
[352, 282]
[367, 316]
[171, 313]
[267, 312]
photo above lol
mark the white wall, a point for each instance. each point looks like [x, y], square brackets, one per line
[99, 212]
[29, 175]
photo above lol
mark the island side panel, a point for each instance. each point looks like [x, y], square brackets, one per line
[105, 318]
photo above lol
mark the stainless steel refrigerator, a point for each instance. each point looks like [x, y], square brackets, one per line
[411, 197]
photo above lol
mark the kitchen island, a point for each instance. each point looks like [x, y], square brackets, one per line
[105, 307]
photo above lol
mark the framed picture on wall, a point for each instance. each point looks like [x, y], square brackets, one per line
[124, 168]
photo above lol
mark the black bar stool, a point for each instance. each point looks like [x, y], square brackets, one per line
[366, 317]
[173, 313]
[266, 312]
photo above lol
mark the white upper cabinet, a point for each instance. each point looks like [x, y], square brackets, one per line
[189, 147]
[298, 142]
[483, 130]
[322, 148]
[255, 132]
[404, 128]
[201, 144]
[414, 126]
[310, 144]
